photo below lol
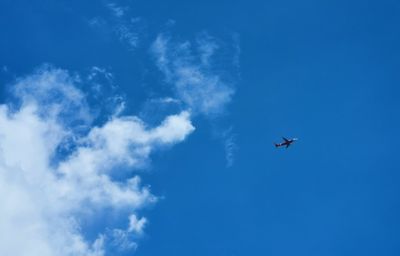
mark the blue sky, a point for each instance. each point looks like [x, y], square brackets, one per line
[147, 128]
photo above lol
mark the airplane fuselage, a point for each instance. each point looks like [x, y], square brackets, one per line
[286, 142]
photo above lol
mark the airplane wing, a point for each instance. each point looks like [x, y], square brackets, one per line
[287, 145]
[286, 140]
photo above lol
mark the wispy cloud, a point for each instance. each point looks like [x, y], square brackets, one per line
[98, 71]
[200, 77]
[125, 28]
[188, 67]
[230, 146]
[45, 197]
[117, 10]
[125, 239]
[128, 35]
[237, 50]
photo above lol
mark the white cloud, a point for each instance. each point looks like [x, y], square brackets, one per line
[188, 68]
[45, 195]
[136, 225]
[54, 95]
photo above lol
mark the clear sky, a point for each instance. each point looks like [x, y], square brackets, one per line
[147, 128]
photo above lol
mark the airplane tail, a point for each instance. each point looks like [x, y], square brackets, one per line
[276, 145]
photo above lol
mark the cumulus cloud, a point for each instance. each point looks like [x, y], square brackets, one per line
[188, 67]
[46, 195]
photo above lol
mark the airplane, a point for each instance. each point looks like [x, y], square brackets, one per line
[286, 142]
